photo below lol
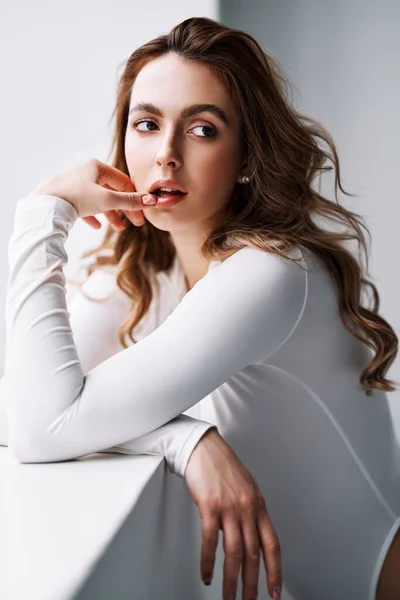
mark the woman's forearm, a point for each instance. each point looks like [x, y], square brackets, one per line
[174, 440]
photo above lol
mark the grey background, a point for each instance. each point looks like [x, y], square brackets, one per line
[343, 61]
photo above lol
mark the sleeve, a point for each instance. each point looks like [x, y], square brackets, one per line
[95, 327]
[3, 416]
[239, 313]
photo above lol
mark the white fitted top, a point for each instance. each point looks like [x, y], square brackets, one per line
[256, 348]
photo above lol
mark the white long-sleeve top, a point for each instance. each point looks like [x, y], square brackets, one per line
[95, 327]
[257, 348]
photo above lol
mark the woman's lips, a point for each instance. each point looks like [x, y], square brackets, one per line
[171, 200]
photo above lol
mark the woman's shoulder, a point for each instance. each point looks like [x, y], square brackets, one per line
[259, 277]
[253, 258]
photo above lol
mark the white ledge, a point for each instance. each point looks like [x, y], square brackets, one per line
[58, 519]
[103, 526]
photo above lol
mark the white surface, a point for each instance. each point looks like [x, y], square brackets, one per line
[56, 520]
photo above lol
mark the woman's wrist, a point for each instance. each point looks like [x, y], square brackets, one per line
[210, 437]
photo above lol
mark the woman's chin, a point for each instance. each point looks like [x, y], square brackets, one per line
[166, 222]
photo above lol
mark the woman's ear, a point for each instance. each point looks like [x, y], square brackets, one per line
[244, 163]
[243, 169]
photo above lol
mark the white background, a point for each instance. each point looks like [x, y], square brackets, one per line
[59, 64]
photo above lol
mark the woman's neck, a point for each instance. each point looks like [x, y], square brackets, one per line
[191, 261]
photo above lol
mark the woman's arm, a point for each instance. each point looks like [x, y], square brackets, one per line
[238, 314]
[95, 327]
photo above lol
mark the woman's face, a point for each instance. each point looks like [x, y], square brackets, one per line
[200, 152]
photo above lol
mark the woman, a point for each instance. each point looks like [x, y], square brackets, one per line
[249, 318]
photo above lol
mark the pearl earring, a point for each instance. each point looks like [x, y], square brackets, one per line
[245, 179]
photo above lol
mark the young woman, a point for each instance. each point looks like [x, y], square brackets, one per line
[259, 373]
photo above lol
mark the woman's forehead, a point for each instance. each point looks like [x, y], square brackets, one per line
[170, 80]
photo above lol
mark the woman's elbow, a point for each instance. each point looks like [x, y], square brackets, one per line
[27, 448]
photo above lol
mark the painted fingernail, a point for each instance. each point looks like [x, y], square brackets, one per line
[276, 593]
[207, 583]
[149, 199]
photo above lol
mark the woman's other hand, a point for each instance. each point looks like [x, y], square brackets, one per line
[228, 498]
[94, 187]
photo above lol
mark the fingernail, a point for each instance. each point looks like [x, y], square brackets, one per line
[276, 593]
[149, 199]
[207, 583]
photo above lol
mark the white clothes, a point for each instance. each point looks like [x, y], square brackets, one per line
[256, 349]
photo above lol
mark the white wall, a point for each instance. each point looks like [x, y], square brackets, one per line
[343, 58]
[59, 64]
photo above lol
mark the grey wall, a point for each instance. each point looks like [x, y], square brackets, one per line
[343, 59]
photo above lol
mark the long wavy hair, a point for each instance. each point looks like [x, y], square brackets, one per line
[277, 211]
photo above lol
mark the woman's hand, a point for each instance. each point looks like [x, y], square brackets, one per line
[228, 498]
[95, 187]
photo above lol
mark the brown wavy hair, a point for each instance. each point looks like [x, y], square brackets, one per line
[277, 211]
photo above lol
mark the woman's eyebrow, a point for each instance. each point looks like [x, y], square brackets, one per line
[188, 111]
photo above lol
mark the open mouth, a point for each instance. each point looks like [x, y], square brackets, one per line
[167, 192]
[168, 197]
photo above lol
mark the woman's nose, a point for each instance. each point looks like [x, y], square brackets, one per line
[170, 162]
[168, 154]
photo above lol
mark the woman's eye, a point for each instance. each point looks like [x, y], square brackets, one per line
[135, 125]
[212, 132]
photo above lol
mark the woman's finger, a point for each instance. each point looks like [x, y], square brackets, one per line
[271, 552]
[114, 219]
[210, 525]
[92, 221]
[233, 548]
[135, 216]
[125, 201]
[251, 562]
[113, 178]
[118, 191]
